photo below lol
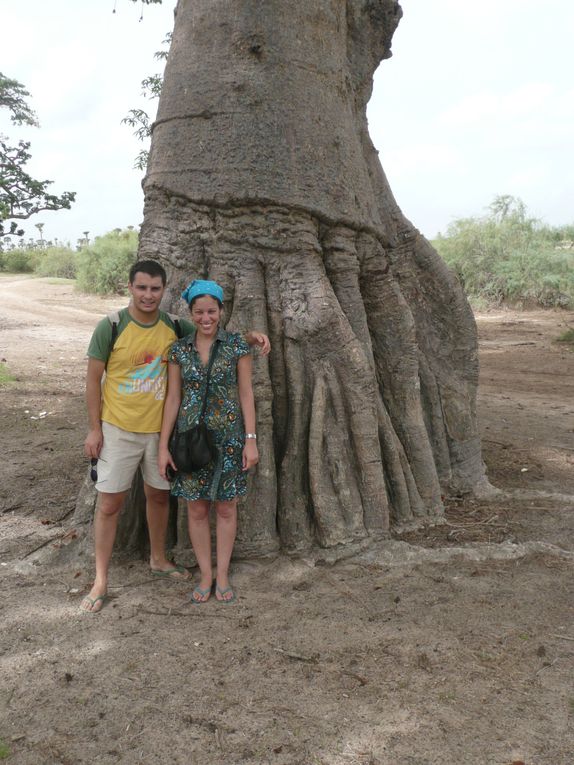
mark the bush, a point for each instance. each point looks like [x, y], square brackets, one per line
[57, 261]
[508, 257]
[18, 261]
[102, 268]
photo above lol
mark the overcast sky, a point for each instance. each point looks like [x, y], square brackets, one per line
[477, 100]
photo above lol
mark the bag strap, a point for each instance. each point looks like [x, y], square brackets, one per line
[209, 365]
[176, 325]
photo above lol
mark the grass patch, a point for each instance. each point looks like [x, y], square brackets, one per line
[4, 750]
[5, 376]
[566, 337]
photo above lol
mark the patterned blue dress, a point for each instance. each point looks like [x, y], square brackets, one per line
[224, 478]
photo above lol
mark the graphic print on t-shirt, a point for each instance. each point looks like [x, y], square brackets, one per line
[146, 378]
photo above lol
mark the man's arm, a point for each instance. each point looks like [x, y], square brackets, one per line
[259, 339]
[94, 439]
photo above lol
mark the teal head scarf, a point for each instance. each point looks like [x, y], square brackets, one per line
[202, 287]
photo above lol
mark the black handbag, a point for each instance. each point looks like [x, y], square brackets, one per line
[195, 448]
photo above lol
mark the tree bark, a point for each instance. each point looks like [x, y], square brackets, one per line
[262, 175]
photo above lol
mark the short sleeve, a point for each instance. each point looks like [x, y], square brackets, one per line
[173, 353]
[100, 344]
[240, 346]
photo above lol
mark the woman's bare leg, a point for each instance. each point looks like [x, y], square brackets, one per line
[200, 537]
[226, 530]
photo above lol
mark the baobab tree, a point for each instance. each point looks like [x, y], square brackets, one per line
[262, 176]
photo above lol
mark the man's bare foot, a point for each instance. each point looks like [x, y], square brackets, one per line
[169, 571]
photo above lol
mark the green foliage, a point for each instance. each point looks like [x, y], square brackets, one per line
[13, 97]
[506, 256]
[5, 377]
[21, 196]
[104, 265]
[101, 268]
[18, 261]
[60, 262]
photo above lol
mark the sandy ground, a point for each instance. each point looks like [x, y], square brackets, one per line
[453, 644]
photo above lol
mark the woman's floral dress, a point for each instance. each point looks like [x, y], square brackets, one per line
[224, 478]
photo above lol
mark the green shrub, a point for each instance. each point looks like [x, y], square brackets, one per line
[103, 267]
[19, 261]
[509, 257]
[57, 261]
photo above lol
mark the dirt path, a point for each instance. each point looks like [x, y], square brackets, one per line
[450, 645]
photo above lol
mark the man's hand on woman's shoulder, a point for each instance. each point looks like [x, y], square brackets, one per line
[260, 340]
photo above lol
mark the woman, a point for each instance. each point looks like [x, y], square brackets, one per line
[230, 415]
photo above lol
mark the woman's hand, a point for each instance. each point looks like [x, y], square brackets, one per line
[250, 454]
[165, 461]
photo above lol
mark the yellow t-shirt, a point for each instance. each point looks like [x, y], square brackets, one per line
[136, 373]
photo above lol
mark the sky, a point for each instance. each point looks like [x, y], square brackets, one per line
[477, 101]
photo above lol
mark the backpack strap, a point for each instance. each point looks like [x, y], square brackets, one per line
[176, 325]
[114, 319]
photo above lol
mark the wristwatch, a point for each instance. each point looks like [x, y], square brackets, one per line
[251, 435]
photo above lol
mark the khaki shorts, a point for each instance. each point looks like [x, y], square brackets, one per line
[122, 453]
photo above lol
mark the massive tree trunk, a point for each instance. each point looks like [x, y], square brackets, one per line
[262, 175]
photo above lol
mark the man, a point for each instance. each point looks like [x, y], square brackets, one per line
[125, 418]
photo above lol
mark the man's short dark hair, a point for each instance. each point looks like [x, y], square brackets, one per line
[149, 267]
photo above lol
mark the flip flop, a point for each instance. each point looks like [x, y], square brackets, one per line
[171, 573]
[202, 593]
[92, 602]
[225, 601]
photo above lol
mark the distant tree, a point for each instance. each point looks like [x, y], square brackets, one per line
[505, 205]
[21, 196]
[13, 97]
